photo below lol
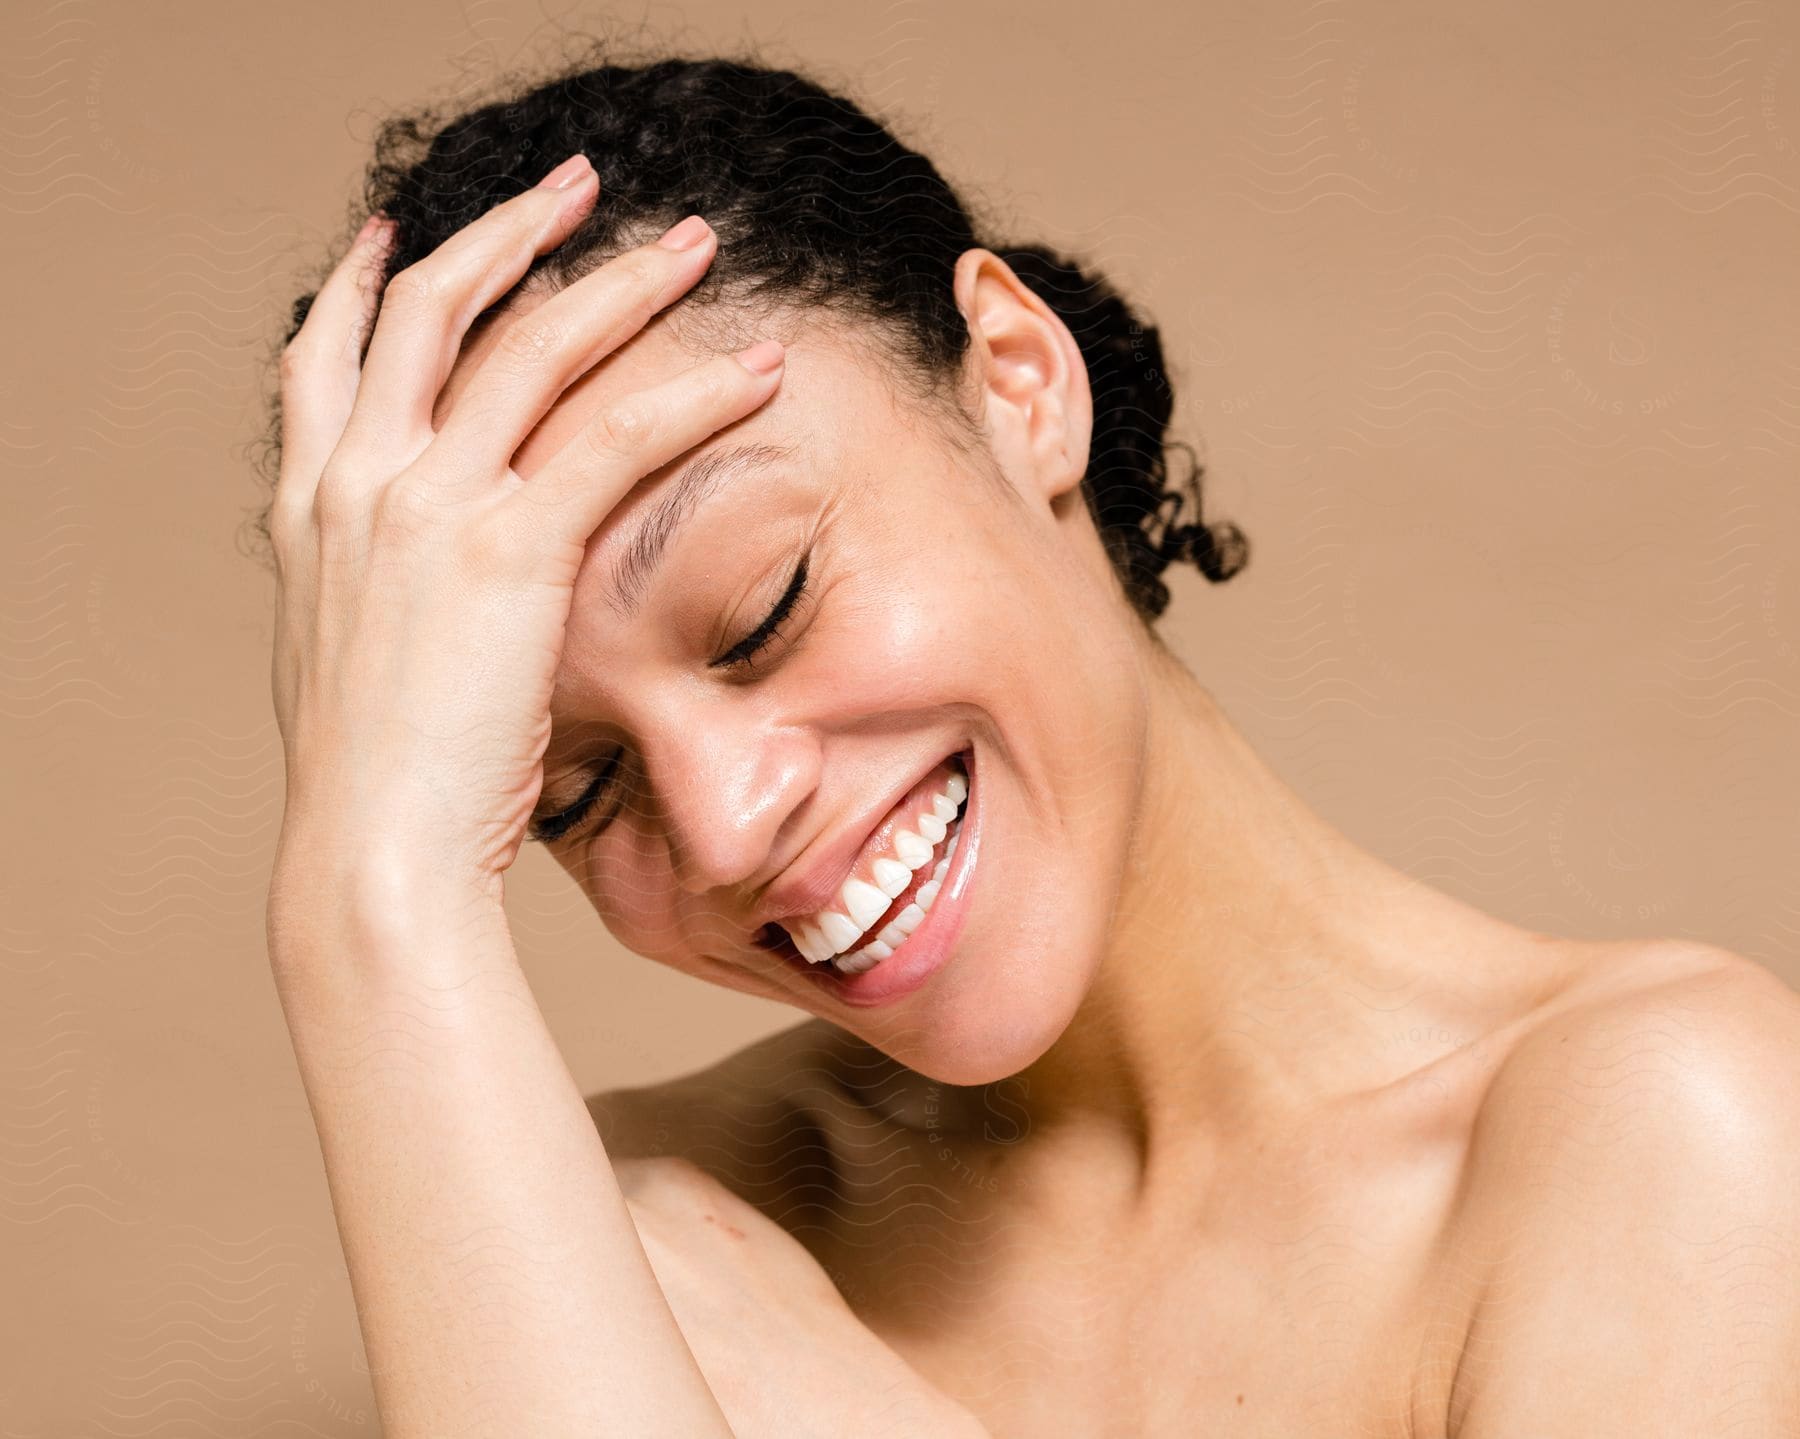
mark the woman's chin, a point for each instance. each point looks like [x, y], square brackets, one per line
[983, 1041]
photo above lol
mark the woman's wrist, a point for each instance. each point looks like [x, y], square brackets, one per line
[378, 906]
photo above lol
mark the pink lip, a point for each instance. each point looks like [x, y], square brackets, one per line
[927, 947]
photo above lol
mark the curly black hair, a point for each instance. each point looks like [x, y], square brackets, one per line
[817, 206]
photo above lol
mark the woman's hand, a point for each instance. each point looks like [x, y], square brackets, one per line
[424, 588]
[784, 1355]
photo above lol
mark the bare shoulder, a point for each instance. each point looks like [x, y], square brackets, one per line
[1664, 1040]
[748, 1120]
[1631, 1230]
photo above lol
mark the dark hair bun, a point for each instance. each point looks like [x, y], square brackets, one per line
[1126, 483]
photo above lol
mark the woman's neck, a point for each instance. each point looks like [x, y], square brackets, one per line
[1259, 963]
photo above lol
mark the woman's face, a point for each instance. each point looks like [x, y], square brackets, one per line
[954, 603]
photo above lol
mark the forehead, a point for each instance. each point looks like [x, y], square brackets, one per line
[834, 387]
[835, 411]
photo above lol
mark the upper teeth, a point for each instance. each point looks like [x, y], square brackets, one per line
[831, 932]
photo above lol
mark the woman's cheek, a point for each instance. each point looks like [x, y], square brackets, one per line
[899, 644]
[632, 901]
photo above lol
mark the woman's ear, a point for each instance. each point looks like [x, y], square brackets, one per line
[1032, 381]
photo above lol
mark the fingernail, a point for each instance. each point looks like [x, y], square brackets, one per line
[689, 233]
[565, 174]
[762, 358]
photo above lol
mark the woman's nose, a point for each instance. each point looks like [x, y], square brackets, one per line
[726, 792]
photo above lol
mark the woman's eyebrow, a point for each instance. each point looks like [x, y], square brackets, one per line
[700, 479]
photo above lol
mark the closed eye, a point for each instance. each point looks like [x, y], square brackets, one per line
[741, 655]
[554, 826]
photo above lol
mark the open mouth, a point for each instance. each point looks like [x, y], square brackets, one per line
[855, 938]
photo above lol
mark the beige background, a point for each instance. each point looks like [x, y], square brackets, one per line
[1484, 316]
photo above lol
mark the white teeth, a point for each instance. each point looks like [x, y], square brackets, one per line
[865, 903]
[913, 851]
[839, 930]
[858, 962]
[891, 877]
[829, 936]
[904, 923]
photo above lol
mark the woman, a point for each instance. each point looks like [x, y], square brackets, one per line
[727, 515]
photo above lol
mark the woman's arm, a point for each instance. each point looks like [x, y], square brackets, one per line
[422, 607]
[500, 1282]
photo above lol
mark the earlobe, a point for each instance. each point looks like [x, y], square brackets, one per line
[1034, 381]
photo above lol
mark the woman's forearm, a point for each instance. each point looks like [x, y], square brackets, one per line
[500, 1283]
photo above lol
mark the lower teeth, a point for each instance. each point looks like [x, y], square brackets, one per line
[857, 961]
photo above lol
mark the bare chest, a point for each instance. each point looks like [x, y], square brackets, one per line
[1298, 1316]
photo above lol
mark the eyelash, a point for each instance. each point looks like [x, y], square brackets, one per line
[744, 652]
[742, 655]
[555, 826]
